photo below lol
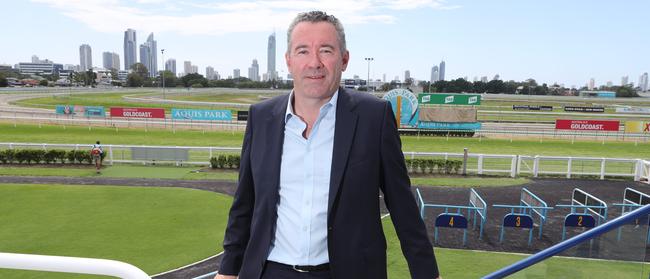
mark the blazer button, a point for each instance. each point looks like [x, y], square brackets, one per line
[329, 228]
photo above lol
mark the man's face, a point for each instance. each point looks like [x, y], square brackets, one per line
[315, 60]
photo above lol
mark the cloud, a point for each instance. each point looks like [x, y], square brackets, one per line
[194, 18]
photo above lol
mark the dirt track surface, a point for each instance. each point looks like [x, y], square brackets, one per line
[553, 191]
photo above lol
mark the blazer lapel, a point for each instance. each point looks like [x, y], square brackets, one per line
[346, 123]
[275, 140]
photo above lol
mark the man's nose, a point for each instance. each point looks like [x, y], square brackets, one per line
[314, 60]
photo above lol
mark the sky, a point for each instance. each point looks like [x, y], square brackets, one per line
[551, 41]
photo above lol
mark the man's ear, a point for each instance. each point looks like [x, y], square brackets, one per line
[346, 59]
[287, 59]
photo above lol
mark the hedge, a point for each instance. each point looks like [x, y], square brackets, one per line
[431, 166]
[36, 156]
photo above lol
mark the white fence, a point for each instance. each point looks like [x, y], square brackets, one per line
[480, 164]
[71, 265]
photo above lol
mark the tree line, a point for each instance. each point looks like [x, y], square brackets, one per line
[139, 77]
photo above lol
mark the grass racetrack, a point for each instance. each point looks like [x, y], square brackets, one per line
[155, 229]
[76, 134]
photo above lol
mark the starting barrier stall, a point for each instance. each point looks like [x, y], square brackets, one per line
[521, 216]
[582, 206]
[632, 199]
[453, 216]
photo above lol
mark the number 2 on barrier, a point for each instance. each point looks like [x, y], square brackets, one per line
[518, 223]
[579, 221]
[451, 221]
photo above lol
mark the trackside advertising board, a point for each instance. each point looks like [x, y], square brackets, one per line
[449, 99]
[201, 114]
[138, 112]
[637, 127]
[586, 125]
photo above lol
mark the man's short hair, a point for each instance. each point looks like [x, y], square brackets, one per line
[316, 17]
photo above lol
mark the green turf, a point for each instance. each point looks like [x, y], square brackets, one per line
[170, 172]
[454, 263]
[155, 229]
[122, 171]
[76, 134]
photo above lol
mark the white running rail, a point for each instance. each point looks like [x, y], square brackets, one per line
[71, 265]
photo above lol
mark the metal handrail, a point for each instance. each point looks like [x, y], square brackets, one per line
[569, 243]
[71, 265]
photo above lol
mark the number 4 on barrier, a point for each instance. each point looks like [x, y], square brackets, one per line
[451, 220]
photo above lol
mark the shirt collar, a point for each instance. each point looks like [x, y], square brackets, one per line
[289, 113]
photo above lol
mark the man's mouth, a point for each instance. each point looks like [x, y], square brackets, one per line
[316, 77]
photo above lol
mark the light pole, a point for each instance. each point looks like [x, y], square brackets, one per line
[162, 74]
[368, 80]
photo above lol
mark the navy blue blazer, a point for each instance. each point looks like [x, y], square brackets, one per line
[367, 158]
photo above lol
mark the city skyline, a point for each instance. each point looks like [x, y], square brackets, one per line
[554, 41]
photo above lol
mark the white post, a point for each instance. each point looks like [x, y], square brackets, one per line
[568, 168]
[638, 168]
[480, 164]
[535, 166]
[110, 154]
[602, 169]
[513, 166]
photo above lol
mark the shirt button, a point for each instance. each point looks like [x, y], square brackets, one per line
[329, 228]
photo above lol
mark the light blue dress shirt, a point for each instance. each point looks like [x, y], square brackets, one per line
[301, 229]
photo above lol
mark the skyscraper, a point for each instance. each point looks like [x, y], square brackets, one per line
[170, 65]
[35, 59]
[130, 49]
[435, 74]
[209, 72]
[624, 80]
[107, 60]
[643, 82]
[116, 61]
[152, 55]
[187, 67]
[85, 57]
[592, 84]
[407, 75]
[149, 55]
[254, 71]
[195, 69]
[236, 73]
[441, 75]
[270, 65]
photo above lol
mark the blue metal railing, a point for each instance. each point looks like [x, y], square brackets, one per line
[569, 243]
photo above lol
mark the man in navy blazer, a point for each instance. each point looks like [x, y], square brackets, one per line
[358, 144]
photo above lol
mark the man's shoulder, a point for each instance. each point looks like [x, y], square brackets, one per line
[364, 100]
[270, 104]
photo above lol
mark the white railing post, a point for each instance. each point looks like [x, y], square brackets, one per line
[535, 166]
[637, 170]
[110, 154]
[513, 166]
[71, 265]
[602, 168]
[568, 167]
[480, 164]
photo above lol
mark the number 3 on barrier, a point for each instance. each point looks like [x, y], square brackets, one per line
[518, 223]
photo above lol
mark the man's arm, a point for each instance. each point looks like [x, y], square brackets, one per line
[396, 186]
[239, 220]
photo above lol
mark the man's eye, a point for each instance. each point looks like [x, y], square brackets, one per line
[302, 52]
